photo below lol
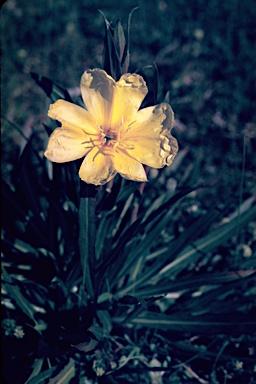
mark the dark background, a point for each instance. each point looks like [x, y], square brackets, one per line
[204, 51]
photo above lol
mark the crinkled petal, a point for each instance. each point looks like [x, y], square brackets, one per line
[97, 89]
[128, 167]
[66, 145]
[72, 116]
[148, 138]
[97, 168]
[129, 93]
[110, 102]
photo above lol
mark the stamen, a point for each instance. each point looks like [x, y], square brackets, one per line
[118, 133]
[94, 143]
[100, 127]
[130, 147]
[129, 127]
[127, 146]
[91, 141]
[123, 150]
[90, 134]
[101, 150]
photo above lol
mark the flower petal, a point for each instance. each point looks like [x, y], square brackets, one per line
[129, 93]
[128, 167]
[148, 138]
[97, 168]
[66, 145]
[97, 89]
[72, 116]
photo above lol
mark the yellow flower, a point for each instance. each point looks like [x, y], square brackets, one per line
[112, 133]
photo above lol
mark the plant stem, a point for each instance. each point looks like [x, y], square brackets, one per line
[86, 216]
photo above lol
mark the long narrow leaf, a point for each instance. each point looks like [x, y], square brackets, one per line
[17, 296]
[192, 252]
[38, 363]
[41, 377]
[191, 283]
[52, 90]
[137, 228]
[171, 251]
[209, 242]
[233, 324]
[65, 375]
[86, 243]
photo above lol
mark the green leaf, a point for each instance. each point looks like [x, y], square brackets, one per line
[15, 214]
[118, 253]
[191, 283]
[105, 320]
[125, 60]
[38, 363]
[102, 233]
[233, 324]
[52, 90]
[17, 296]
[86, 346]
[65, 375]
[27, 184]
[14, 126]
[41, 377]
[122, 214]
[19, 245]
[190, 253]
[97, 331]
[109, 198]
[119, 39]
[116, 52]
[118, 257]
[111, 61]
[166, 253]
[209, 242]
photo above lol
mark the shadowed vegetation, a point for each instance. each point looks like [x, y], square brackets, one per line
[173, 274]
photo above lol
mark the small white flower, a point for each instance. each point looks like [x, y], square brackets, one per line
[245, 250]
[18, 332]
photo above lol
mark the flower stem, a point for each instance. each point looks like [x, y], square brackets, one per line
[86, 216]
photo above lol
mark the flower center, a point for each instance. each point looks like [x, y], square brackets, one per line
[110, 136]
[107, 141]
